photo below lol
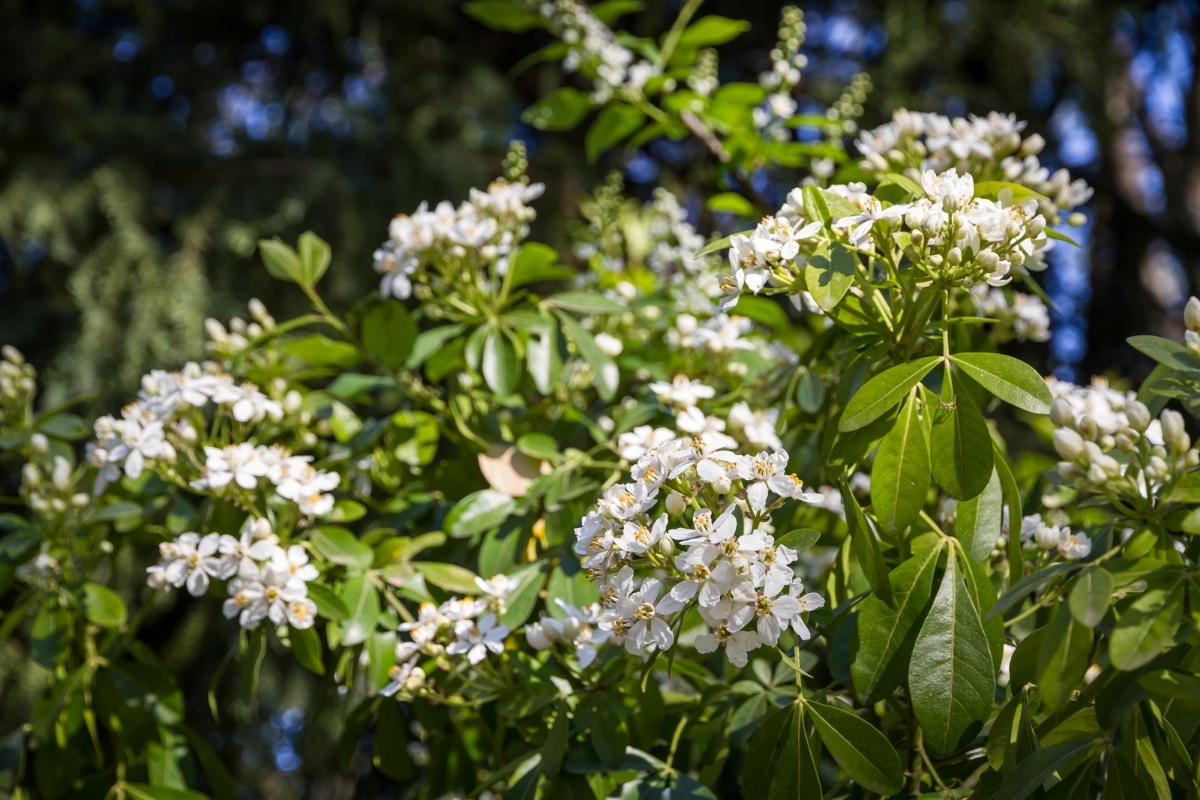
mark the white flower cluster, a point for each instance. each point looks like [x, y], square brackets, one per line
[143, 432]
[1072, 546]
[1109, 442]
[691, 280]
[577, 632]
[743, 583]
[229, 341]
[755, 428]
[460, 626]
[1025, 318]
[486, 227]
[958, 236]
[593, 49]
[292, 477]
[784, 75]
[266, 581]
[991, 148]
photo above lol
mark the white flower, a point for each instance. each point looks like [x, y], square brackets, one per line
[1073, 546]
[681, 391]
[634, 444]
[294, 562]
[757, 426]
[477, 638]
[738, 644]
[808, 602]
[872, 213]
[193, 560]
[238, 463]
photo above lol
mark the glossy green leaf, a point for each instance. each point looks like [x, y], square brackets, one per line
[561, 110]
[951, 675]
[615, 123]
[858, 747]
[280, 259]
[555, 745]
[523, 598]
[712, 30]
[340, 546]
[1063, 658]
[980, 520]
[1147, 626]
[103, 606]
[961, 449]
[388, 333]
[731, 203]
[478, 512]
[1165, 352]
[866, 547]
[450, 577]
[1030, 582]
[1012, 737]
[306, 647]
[543, 357]
[779, 758]
[1010, 379]
[315, 255]
[607, 374]
[1124, 781]
[321, 351]
[829, 273]
[586, 303]
[799, 539]
[144, 791]
[503, 15]
[901, 472]
[880, 394]
[884, 636]
[1091, 596]
[1030, 773]
[500, 367]
[362, 599]
[538, 445]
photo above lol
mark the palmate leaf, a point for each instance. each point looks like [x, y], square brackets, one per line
[858, 747]
[885, 390]
[1010, 379]
[951, 674]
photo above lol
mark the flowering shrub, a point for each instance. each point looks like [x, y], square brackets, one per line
[618, 522]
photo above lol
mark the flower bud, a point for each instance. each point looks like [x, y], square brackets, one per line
[39, 444]
[609, 344]
[1106, 441]
[722, 485]
[1061, 413]
[1068, 443]
[80, 500]
[1096, 474]
[1191, 314]
[1046, 536]
[1125, 443]
[30, 477]
[686, 324]
[954, 256]
[1192, 459]
[539, 636]
[1088, 427]
[676, 503]
[60, 476]
[571, 628]
[1138, 416]
[1174, 434]
[12, 355]
[1032, 145]
[1036, 225]
[666, 546]
[292, 402]
[918, 238]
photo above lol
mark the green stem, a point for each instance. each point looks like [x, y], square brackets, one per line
[671, 41]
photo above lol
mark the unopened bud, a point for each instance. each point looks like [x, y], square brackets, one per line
[722, 485]
[60, 476]
[31, 478]
[292, 401]
[1106, 441]
[80, 499]
[1077, 219]
[1125, 443]
[954, 256]
[1036, 225]
[1191, 314]
[1068, 443]
[39, 444]
[12, 355]
[1032, 145]
[1088, 427]
[1061, 413]
[918, 238]
[676, 503]
[666, 546]
[1174, 434]
[1138, 416]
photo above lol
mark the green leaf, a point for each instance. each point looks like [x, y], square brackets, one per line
[526, 698]
[329, 605]
[431, 341]
[500, 367]
[389, 333]
[884, 636]
[980, 520]
[992, 189]
[144, 791]
[799, 539]
[538, 445]
[536, 262]
[418, 435]
[103, 606]
[306, 647]
[555, 745]
[380, 648]
[64, 426]
[961, 449]
[391, 743]
[885, 390]
[896, 188]
[1010, 379]
[614, 124]
[771, 751]
[815, 207]
[218, 776]
[450, 577]
[340, 546]
[503, 15]
[1091, 596]
[609, 11]
[731, 203]
[1126, 782]
[1147, 626]
[352, 384]
[715, 245]
[586, 303]
[543, 357]
[859, 748]
[315, 256]
[1030, 773]
[321, 351]
[561, 110]
[1012, 737]
[524, 596]
[951, 675]
[829, 273]
[1165, 352]
[362, 600]
[478, 512]
[1063, 658]
[711, 30]
[866, 547]
[901, 472]
[607, 374]
[280, 259]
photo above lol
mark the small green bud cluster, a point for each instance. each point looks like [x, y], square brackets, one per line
[18, 384]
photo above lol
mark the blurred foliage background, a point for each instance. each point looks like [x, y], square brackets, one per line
[145, 146]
